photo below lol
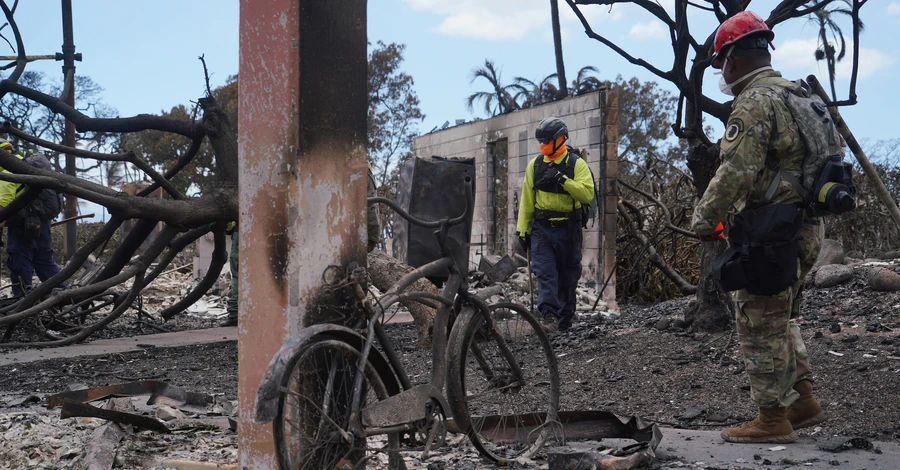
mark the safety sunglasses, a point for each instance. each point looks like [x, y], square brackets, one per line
[545, 141]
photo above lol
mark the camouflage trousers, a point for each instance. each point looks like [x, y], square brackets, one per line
[811, 236]
[774, 354]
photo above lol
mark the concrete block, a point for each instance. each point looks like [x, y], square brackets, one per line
[591, 241]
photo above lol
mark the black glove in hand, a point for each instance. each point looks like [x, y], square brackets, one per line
[525, 242]
[559, 178]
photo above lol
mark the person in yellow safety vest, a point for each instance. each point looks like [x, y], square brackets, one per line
[8, 189]
[556, 184]
[29, 245]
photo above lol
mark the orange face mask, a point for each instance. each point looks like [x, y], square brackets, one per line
[547, 149]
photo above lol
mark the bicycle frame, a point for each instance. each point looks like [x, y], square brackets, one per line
[417, 402]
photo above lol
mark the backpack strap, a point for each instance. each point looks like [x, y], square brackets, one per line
[770, 193]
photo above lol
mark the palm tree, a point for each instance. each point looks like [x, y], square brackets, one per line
[584, 82]
[535, 93]
[824, 18]
[557, 48]
[497, 101]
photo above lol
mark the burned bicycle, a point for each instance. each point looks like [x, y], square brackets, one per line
[337, 401]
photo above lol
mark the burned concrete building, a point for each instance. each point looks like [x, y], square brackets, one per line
[501, 147]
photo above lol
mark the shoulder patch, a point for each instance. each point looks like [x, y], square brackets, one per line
[734, 129]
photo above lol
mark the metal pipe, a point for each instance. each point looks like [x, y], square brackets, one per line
[68, 69]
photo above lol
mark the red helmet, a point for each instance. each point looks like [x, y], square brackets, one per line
[737, 27]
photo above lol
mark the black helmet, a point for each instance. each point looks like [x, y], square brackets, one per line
[549, 129]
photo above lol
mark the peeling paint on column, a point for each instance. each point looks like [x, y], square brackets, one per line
[302, 180]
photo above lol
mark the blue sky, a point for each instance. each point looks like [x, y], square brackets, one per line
[446, 39]
[144, 54]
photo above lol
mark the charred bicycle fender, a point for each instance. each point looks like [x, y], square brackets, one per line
[266, 406]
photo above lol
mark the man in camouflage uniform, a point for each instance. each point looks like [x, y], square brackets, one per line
[761, 125]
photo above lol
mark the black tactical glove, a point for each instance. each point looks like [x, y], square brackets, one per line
[559, 178]
[525, 242]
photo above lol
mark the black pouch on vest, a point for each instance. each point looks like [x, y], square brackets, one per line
[763, 254]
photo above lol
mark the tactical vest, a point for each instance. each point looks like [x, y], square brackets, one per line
[544, 182]
[548, 185]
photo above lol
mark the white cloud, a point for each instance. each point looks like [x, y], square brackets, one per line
[511, 19]
[797, 55]
[648, 31]
[893, 8]
[492, 20]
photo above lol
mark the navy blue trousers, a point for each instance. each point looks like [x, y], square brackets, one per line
[556, 261]
[26, 255]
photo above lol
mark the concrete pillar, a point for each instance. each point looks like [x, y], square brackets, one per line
[302, 182]
[609, 210]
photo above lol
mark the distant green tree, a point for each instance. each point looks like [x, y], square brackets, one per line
[497, 101]
[535, 93]
[394, 114]
[162, 149]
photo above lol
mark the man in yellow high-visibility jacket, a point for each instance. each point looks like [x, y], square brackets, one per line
[556, 184]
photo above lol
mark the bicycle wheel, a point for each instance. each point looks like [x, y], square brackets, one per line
[504, 417]
[312, 428]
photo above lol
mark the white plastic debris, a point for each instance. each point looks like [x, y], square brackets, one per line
[833, 353]
[200, 306]
[777, 448]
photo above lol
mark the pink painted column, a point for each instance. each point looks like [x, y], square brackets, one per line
[302, 161]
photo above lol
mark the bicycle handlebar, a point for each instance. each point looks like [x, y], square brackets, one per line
[428, 223]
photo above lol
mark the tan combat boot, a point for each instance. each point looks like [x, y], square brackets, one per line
[805, 411]
[771, 426]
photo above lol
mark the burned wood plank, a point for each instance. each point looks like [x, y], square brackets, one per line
[160, 393]
[73, 409]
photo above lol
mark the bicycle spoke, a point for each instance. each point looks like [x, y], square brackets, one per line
[313, 424]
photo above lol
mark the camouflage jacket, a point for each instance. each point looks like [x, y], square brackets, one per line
[760, 127]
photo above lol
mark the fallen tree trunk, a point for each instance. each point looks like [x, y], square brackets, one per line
[385, 271]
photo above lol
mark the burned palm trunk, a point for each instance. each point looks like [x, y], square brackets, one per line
[303, 179]
[712, 309]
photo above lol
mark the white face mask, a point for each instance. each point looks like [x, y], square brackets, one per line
[728, 88]
[724, 87]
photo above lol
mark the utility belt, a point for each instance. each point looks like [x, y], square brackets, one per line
[544, 216]
[763, 251]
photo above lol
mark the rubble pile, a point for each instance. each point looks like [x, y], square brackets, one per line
[509, 277]
[33, 436]
[143, 318]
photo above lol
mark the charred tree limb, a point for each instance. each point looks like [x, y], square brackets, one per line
[655, 259]
[139, 265]
[223, 140]
[187, 213]
[182, 162]
[219, 257]
[175, 247]
[640, 62]
[668, 215]
[77, 260]
[385, 271]
[84, 123]
[129, 157]
[122, 303]
[21, 61]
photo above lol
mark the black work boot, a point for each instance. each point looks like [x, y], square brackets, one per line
[548, 321]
